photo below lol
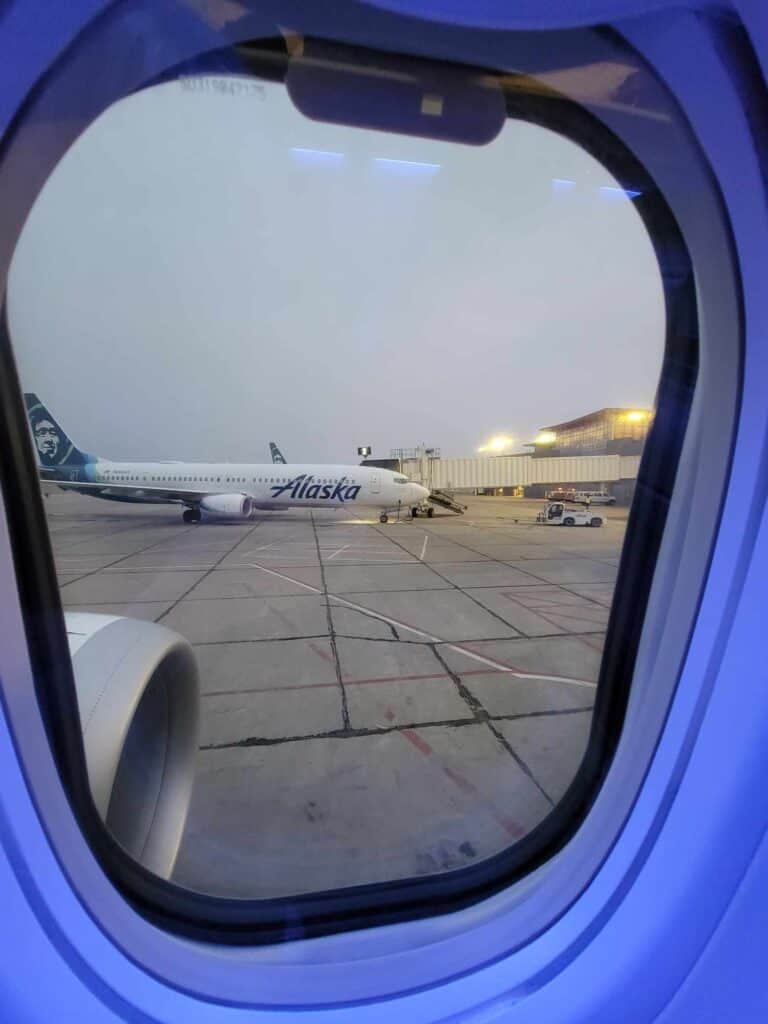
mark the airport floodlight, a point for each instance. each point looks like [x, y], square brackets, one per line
[364, 450]
[497, 445]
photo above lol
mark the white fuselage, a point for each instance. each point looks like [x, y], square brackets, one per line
[268, 485]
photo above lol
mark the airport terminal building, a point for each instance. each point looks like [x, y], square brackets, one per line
[598, 451]
[605, 432]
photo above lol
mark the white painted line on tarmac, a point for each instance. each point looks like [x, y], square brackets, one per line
[117, 568]
[496, 665]
[424, 547]
[338, 552]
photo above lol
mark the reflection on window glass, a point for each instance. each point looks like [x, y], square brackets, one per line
[398, 659]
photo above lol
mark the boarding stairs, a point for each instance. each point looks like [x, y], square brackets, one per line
[446, 500]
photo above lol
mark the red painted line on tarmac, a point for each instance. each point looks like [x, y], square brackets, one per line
[395, 679]
[322, 686]
[582, 616]
[575, 613]
[533, 611]
[320, 652]
[591, 642]
[513, 828]
[458, 780]
[418, 741]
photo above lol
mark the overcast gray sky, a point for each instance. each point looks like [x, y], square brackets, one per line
[192, 284]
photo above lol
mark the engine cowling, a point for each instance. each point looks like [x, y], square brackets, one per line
[137, 693]
[227, 506]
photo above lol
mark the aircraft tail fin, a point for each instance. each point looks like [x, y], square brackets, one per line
[277, 455]
[53, 446]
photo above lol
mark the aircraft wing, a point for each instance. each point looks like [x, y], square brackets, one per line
[118, 490]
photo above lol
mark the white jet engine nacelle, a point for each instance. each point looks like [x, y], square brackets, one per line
[227, 506]
[137, 693]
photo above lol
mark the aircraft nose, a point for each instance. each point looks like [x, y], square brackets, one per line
[421, 492]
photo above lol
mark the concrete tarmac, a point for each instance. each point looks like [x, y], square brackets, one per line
[378, 702]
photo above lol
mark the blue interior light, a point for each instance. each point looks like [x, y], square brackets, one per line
[406, 166]
[317, 156]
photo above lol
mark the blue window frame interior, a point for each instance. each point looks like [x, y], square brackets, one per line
[265, 921]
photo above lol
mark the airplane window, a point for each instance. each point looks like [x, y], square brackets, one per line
[396, 683]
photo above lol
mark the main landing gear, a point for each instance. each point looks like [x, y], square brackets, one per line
[383, 518]
[191, 515]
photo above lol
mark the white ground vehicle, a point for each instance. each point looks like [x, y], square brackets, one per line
[556, 513]
[595, 497]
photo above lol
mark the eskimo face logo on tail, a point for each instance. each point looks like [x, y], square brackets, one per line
[304, 487]
[47, 440]
[54, 448]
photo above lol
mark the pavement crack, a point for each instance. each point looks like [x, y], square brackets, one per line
[339, 734]
[385, 730]
[519, 761]
[208, 571]
[474, 705]
[331, 630]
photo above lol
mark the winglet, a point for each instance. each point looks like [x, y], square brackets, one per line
[277, 455]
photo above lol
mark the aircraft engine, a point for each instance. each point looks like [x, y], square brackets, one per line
[227, 506]
[137, 694]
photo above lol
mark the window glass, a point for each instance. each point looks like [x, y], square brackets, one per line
[380, 700]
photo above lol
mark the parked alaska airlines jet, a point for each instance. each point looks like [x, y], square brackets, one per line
[218, 490]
